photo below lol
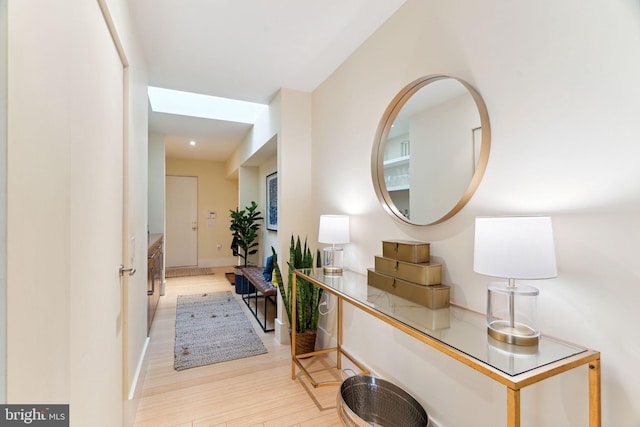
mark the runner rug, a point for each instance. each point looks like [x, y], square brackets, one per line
[212, 328]
[188, 271]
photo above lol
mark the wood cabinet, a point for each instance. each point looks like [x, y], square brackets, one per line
[155, 274]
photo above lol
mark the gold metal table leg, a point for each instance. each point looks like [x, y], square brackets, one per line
[339, 355]
[595, 414]
[513, 407]
[293, 327]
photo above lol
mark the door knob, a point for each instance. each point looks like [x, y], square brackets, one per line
[130, 270]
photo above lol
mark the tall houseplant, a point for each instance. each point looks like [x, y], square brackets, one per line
[307, 295]
[244, 227]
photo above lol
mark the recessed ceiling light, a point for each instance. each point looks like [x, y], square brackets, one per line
[192, 143]
[204, 106]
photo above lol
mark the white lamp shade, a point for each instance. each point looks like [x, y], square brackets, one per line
[514, 247]
[334, 229]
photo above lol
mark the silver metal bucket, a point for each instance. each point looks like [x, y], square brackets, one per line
[368, 401]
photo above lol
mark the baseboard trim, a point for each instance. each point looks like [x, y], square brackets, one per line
[138, 378]
[282, 332]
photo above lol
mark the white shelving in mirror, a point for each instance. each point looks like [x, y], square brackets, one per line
[396, 173]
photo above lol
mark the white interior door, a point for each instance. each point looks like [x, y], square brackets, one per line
[65, 136]
[96, 212]
[181, 221]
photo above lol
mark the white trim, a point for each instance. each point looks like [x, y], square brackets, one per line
[133, 391]
[282, 332]
[3, 200]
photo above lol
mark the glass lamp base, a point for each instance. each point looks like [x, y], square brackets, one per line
[512, 313]
[333, 261]
[516, 335]
[501, 348]
[332, 270]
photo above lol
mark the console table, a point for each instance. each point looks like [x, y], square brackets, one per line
[458, 333]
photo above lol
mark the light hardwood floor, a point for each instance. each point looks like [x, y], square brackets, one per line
[255, 391]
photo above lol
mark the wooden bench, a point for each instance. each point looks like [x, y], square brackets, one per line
[261, 289]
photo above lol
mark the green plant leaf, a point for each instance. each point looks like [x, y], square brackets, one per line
[307, 295]
[244, 227]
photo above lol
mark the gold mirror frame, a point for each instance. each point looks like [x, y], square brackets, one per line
[382, 134]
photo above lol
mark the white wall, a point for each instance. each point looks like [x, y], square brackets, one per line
[42, 275]
[280, 141]
[3, 199]
[156, 183]
[136, 163]
[560, 80]
[295, 201]
[269, 237]
[249, 162]
[438, 186]
[265, 128]
[249, 191]
[215, 193]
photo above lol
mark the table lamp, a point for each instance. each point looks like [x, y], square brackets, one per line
[334, 229]
[514, 248]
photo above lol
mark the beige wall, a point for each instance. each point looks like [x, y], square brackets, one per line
[215, 192]
[269, 237]
[156, 194]
[49, 292]
[136, 164]
[3, 199]
[560, 80]
[280, 141]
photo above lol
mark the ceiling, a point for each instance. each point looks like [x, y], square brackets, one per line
[245, 50]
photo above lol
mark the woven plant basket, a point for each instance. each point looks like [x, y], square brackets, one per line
[305, 342]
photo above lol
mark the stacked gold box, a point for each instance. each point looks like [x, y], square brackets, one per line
[405, 270]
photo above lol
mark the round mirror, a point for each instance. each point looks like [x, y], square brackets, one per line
[431, 150]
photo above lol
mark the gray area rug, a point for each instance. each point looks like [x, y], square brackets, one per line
[212, 328]
[188, 271]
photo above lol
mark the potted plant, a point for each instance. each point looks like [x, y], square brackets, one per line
[244, 227]
[307, 295]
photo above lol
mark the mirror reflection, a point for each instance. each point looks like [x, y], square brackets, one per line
[431, 150]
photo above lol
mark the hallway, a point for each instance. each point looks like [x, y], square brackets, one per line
[239, 393]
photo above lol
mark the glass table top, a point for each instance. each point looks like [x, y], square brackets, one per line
[464, 330]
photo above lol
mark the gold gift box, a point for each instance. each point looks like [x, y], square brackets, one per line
[432, 319]
[431, 296]
[420, 273]
[403, 250]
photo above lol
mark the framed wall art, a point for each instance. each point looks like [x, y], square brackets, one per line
[272, 201]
